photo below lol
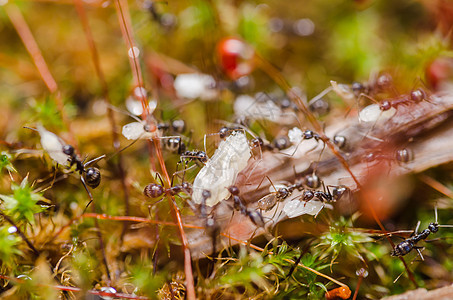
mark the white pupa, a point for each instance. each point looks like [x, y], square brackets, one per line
[221, 170]
[296, 208]
[53, 145]
[249, 107]
[135, 131]
[195, 85]
[373, 113]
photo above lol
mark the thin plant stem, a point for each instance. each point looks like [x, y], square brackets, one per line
[25, 34]
[105, 91]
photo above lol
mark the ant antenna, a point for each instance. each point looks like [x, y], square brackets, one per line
[435, 214]
[34, 129]
[320, 95]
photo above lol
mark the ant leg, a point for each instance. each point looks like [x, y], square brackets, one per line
[88, 191]
[416, 229]
[121, 150]
[323, 205]
[419, 252]
[94, 160]
[184, 170]
[435, 214]
[161, 181]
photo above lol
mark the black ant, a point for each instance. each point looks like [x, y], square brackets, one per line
[375, 85]
[210, 224]
[269, 201]
[279, 143]
[65, 154]
[309, 134]
[403, 155]
[90, 176]
[201, 156]
[407, 245]
[415, 96]
[253, 215]
[178, 126]
[326, 195]
[166, 20]
[154, 190]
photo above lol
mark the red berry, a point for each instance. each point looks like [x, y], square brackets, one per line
[236, 57]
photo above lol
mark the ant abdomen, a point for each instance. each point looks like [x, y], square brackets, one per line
[256, 218]
[93, 177]
[402, 248]
[153, 190]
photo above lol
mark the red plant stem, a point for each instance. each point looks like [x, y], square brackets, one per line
[24, 32]
[105, 91]
[30, 44]
[76, 289]
[359, 282]
[125, 24]
[123, 219]
[185, 244]
[436, 185]
[273, 73]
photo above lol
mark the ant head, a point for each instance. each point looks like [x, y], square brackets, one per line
[201, 155]
[153, 190]
[384, 81]
[285, 103]
[234, 190]
[187, 187]
[281, 142]
[321, 107]
[308, 134]
[256, 218]
[308, 195]
[385, 105]
[340, 141]
[206, 194]
[339, 191]
[357, 88]
[68, 150]
[223, 132]
[93, 177]
[256, 142]
[283, 192]
[147, 128]
[433, 227]
[178, 126]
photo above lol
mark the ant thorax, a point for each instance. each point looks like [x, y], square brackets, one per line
[221, 170]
